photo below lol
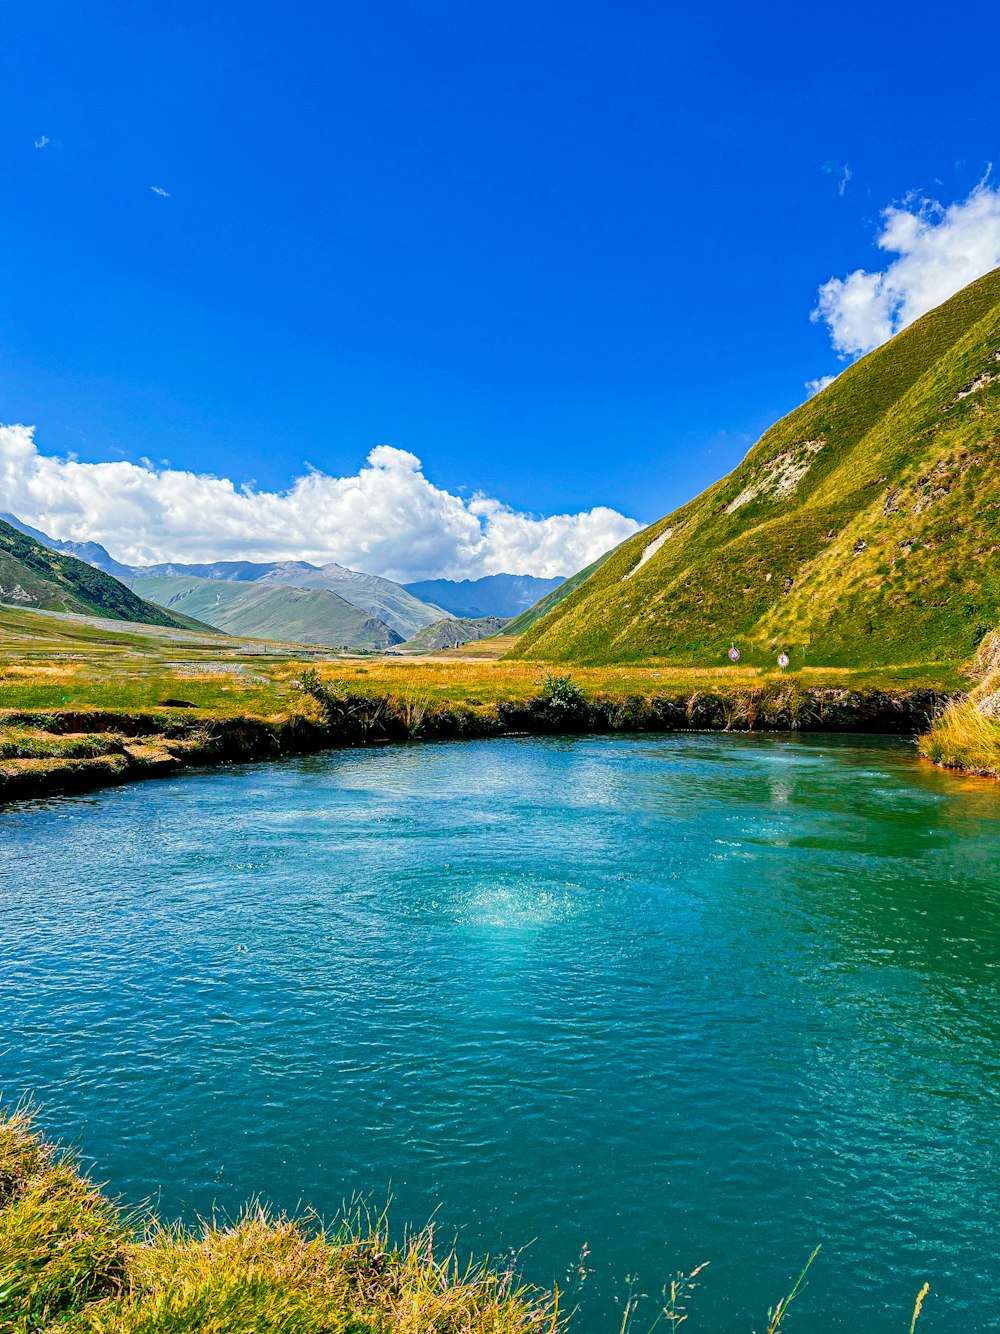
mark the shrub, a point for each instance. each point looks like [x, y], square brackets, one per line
[562, 693]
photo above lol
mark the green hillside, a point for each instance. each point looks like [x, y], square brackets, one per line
[33, 575]
[453, 632]
[863, 529]
[270, 611]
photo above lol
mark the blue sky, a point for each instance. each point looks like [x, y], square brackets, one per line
[565, 254]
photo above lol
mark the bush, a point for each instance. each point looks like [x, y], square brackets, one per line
[562, 693]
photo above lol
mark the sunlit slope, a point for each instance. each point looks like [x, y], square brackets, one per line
[33, 575]
[863, 529]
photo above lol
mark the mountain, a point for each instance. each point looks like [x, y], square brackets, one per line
[33, 575]
[453, 633]
[269, 611]
[384, 601]
[862, 529]
[91, 552]
[389, 602]
[505, 595]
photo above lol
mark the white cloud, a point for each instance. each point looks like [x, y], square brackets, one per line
[165, 194]
[42, 141]
[939, 250]
[843, 171]
[387, 519]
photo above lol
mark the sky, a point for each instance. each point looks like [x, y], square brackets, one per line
[448, 289]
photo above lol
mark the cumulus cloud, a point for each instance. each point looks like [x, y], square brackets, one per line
[939, 250]
[158, 190]
[387, 519]
[42, 141]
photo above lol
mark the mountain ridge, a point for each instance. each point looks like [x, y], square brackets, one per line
[453, 632]
[258, 609]
[504, 595]
[382, 598]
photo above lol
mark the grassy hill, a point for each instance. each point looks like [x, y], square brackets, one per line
[453, 632]
[861, 530]
[270, 611]
[33, 575]
[558, 594]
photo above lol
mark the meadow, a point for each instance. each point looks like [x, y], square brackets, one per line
[85, 701]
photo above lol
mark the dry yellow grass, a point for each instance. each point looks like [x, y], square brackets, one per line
[964, 738]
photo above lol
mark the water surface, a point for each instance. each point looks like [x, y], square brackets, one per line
[680, 999]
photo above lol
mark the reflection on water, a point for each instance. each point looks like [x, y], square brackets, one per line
[681, 998]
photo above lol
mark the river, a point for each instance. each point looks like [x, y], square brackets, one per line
[678, 999]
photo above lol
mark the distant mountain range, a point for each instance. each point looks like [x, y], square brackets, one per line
[504, 595]
[398, 610]
[305, 603]
[258, 609]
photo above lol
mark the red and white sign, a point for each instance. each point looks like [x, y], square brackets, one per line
[783, 659]
[734, 654]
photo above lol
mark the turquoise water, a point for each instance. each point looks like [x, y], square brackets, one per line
[680, 999]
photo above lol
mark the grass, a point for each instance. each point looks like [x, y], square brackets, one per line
[963, 739]
[967, 734]
[62, 1243]
[882, 551]
[62, 663]
[73, 1262]
[85, 703]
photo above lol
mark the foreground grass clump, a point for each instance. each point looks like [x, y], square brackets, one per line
[71, 1262]
[967, 735]
[62, 1244]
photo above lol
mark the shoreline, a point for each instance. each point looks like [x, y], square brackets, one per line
[96, 748]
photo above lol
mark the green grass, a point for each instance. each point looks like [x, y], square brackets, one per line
[51, 662]
[48, 663]
[883, 551]
[62, 1243]
[83, 705]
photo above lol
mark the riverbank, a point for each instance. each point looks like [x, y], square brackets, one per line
[72, 1259]
[47, 752]
[87, 704]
